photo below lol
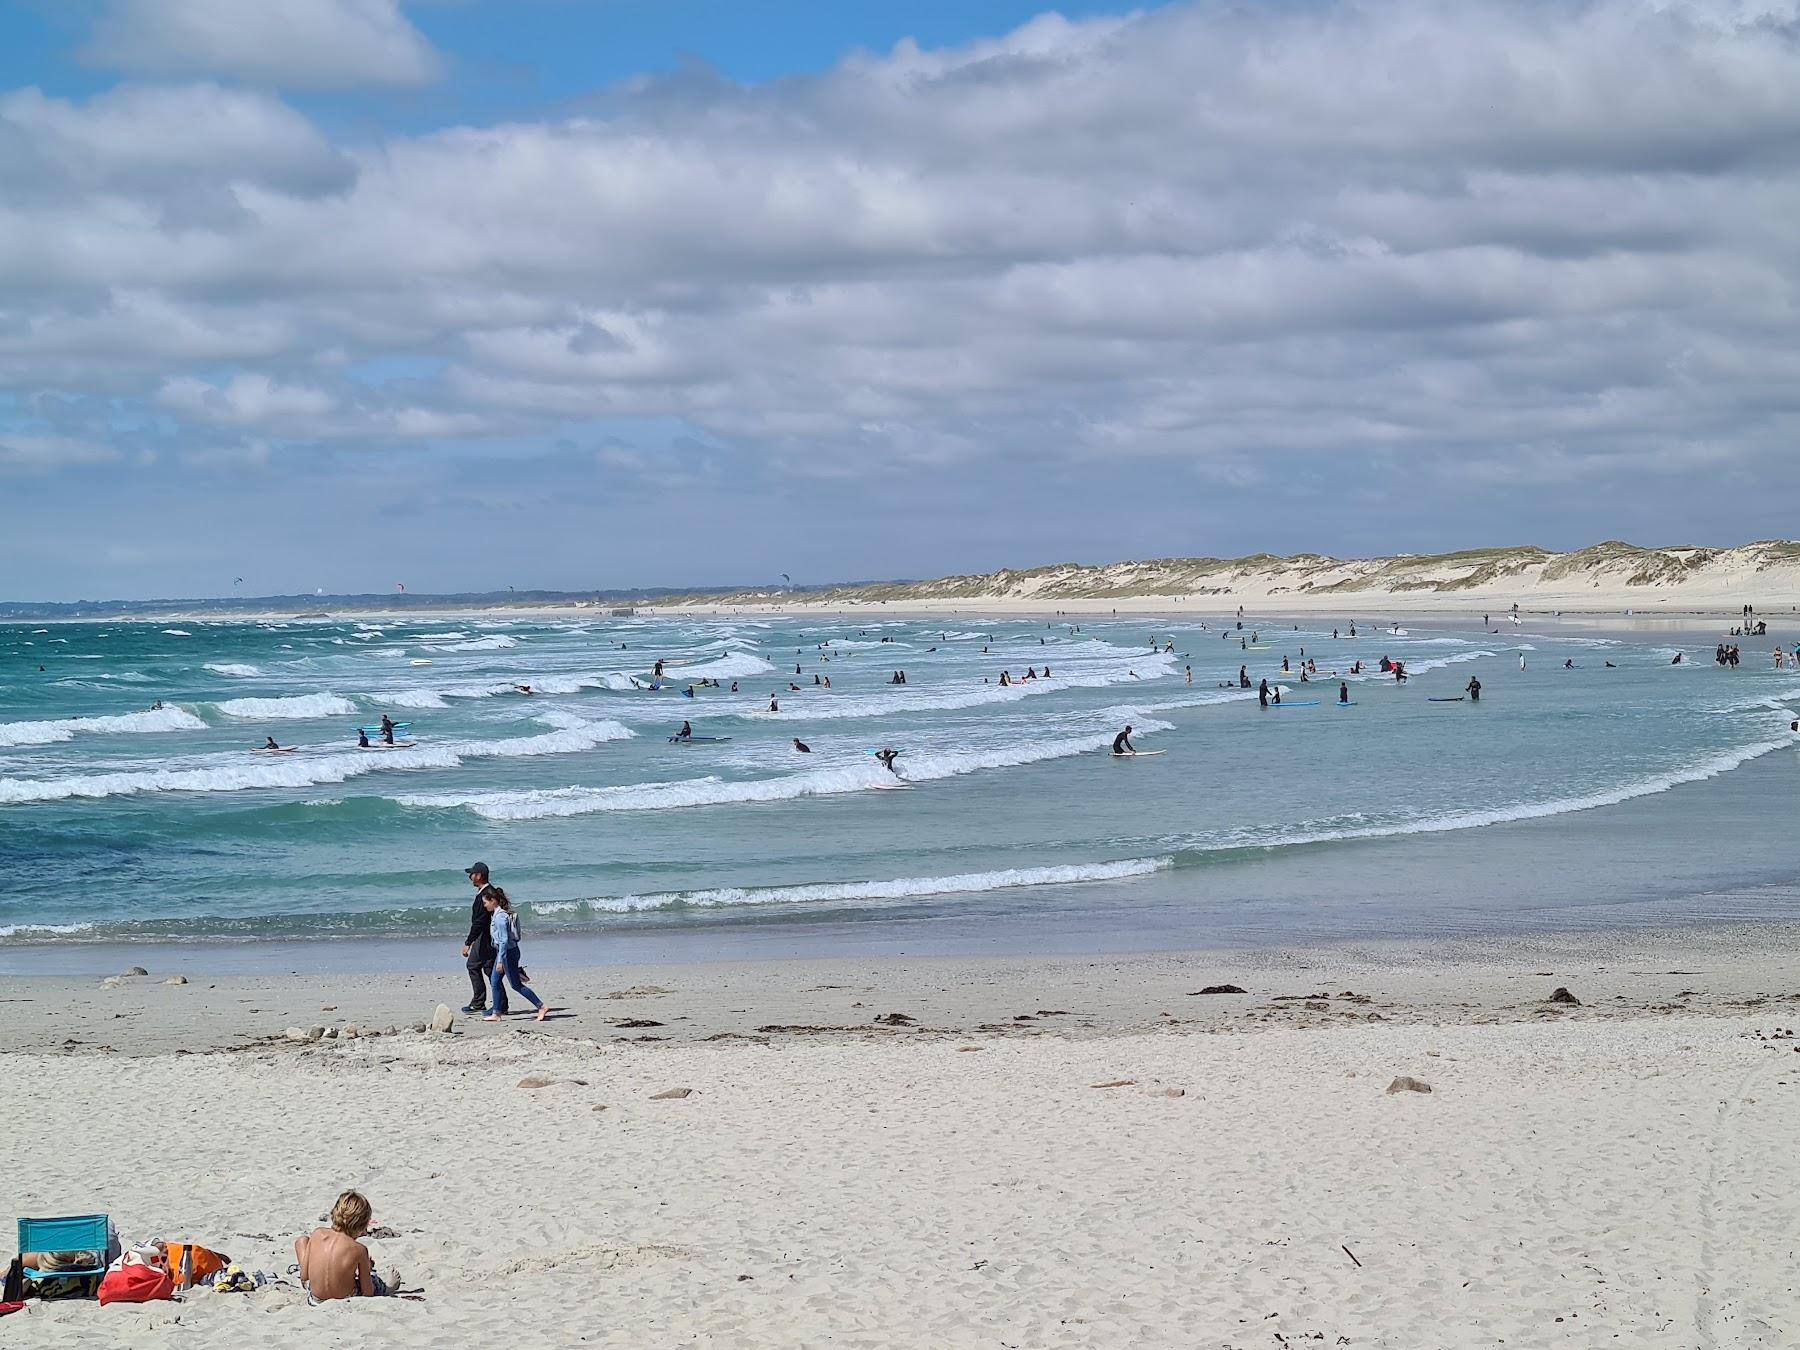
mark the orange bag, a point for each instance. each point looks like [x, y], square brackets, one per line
[201, 1262]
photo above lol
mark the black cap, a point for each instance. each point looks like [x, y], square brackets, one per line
[476, 869]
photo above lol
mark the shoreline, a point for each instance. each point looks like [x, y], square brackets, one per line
[1441, 979]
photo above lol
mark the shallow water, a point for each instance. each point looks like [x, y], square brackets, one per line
[1616, 795]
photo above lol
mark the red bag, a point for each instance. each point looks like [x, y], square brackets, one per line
[133, 1280]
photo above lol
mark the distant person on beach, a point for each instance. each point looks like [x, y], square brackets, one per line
[1122, 743]
[334, 1263]
[478, 946]
[802, 746]
[503, 927]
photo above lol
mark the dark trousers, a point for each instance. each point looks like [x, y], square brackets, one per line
[479, 974]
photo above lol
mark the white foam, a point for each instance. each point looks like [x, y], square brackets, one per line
[410, 698]
[177, 632]
[302, 770]
[538, 803]
[900, 888]
[297, 706]
[235, 669]
[491, 643]
[26, 930]
[1650, 786]
[733, 666]
[839, 703]
[47, 733]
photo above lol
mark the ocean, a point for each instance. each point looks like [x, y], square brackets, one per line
[1636, 794]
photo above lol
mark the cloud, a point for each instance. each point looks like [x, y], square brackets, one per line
[293, 44]
[21, 450]
[1414, 250]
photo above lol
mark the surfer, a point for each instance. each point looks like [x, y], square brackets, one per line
[1569, 664]
[685, 734]
[1243, 678]
[774, 706]
[688, 692]
[1343, 692]
[1474, 688]
[1122, 742]
[1190, 674]
[657, 671]
[522, 688]
[802, 746]
[887, 758]
[362, 738]
[269, 743]
[1262, 693]
[387, 729]
[156, 706]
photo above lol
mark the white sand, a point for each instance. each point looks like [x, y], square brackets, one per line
[1621, 1173]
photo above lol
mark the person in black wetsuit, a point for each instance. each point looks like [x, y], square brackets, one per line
[1262, 693]
[269, 743]
[387, 729]
[362, 738]
[686, 733]
[478, 946]
[1343, 692]
[1243, 678]
[1474, 688]
[887, 758]
[1122, 743]
[802, 746]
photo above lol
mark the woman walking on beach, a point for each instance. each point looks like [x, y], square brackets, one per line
[504, 925]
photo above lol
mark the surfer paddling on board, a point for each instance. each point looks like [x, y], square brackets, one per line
[362, 738]
[269, 743]
[1122, 742]
[887, 758]
[685, 734]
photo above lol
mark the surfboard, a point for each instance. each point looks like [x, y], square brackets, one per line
[1346, 703]
[278, 750]
[1136, 754]
[376, 730]
[1259, 647]
[890, 787]
[1457, 699]
[1296, 703]
[697, 740]
[383, 745]
[421, 663]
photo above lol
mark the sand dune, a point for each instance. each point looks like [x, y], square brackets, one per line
[1605, 578]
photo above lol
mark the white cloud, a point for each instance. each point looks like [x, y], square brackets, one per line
[20, 450]
[1530, 238]
[296, 44]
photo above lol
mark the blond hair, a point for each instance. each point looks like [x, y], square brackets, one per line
[351, 1214]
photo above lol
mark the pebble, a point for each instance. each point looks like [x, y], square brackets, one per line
[535, 1080]
[671, 1095]
[137, 970]
[1218, 989]
[296, 1034]
[350, 1031]
[1405, 1084]
[176, 979]
[442, 1019]
[1562, 995]
[315, 1033]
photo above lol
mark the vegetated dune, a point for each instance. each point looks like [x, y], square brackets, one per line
[1607, 577]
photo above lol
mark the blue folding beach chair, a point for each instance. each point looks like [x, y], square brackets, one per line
[75, 1233]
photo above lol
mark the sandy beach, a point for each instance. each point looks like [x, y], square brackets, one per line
[1031, 1151]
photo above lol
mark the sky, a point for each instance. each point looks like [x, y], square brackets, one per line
[610, 293]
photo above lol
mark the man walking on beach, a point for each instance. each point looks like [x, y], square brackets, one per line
[478, 946]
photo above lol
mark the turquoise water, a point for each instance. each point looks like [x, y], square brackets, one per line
[1620, 791]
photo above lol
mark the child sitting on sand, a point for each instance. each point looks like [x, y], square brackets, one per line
[333, 1261]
